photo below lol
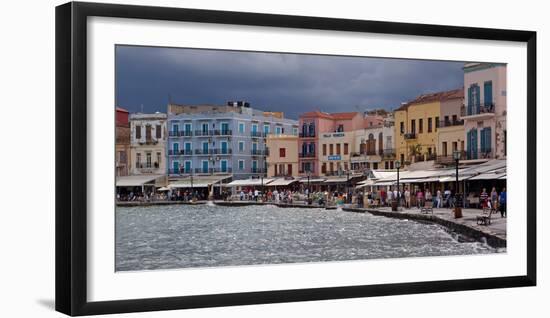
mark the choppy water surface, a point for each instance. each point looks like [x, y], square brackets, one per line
[178, 236]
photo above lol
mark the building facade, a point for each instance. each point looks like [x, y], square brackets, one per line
[374, 146]
[148, 137]
[224, 139]
[312, 127]
[122, 142]
[416, 126]
[450, 129]
[485, 110]
[282, 158]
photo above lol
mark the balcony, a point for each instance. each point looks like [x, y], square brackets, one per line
[226, 151]
[183, 133]
[388, 153]
[146, 168]
[212, 170]
[482, 111]
[223, 132]
[307, 135]
[257, 152]
[451, 123]
[181, 152]
[257, 134]
[448, 159]
[148, 141]
[204, 133]
[179, 171]
[306, 155]
[409, 136]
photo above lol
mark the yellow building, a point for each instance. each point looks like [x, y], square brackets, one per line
[282, 159]
[417, 123]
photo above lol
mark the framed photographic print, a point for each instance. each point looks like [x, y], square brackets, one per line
[210, 158]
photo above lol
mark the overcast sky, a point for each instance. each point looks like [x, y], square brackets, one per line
[293, 83]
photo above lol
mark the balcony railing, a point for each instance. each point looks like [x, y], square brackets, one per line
[214, 151]
[409, 136]
[204, 133]
[180, 133]
[179, 171]
[145, 166]
[212, 170]
[257, 152]
[222, 132]
[449, 159]
[181, 152]
[450, 123]
[257, 170]
[472, 110]
[257, 134]
[307, 135]
[306, 155]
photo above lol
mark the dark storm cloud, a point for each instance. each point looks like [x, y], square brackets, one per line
[292, 83]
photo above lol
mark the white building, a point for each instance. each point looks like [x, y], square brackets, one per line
[374, 147]
[148, 137]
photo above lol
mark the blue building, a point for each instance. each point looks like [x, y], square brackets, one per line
[205, 140]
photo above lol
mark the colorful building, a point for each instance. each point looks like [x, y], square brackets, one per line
[485, 110]
[450, 130]
[316, 129]
[374, 146]
[282, 159]
[222, 139]
[148, 143]
[416, 126]
[122, 142]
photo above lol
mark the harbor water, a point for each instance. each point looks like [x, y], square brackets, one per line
[182, 236]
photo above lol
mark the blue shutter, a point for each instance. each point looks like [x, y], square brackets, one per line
[470, 101]
[469, 145]
[488, 139]
[482, 140]
[488, 93]
[478, 98]
[474, 144]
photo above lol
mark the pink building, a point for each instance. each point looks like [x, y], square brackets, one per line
[312, 124]
[484, 113]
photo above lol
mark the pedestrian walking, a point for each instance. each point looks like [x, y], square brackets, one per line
[502, 202]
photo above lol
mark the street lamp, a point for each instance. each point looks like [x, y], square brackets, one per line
[397, 166]
[458, 210]
[308, 190]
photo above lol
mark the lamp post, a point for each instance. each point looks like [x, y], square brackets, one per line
[458, 210]
[397, 166]
[347, 188]
[308, 190]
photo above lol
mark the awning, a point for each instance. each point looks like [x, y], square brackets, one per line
[502, 178]
[336, 180]
[136, 181]
[488, 176]
[281, 182]
[366, 183]
[311, 180]
[249, 182]
[163, 189]
[385, 183]
[453, 178]
[422, 180]
[198, 181]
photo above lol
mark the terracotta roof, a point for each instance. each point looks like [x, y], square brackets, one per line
[434, 97]
[333, 116]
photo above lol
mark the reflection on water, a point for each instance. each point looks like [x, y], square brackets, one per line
[179, 236]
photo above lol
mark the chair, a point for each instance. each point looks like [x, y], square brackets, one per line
[427, 208]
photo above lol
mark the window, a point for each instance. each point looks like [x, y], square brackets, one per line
[188, 128]
[254, 128]
[176, 148]
[241, 165]
[148, 129]
[295, 131]
[148, 160]
[205, 128]
[204, 147]
[375, 165]
[420, 125]
[138, 132]
[413, 126]
[391, 164]
[340, 128]
[346, 149]
[158, 159]
[331, 149]
[266, 129]
[436, 122]
[338, 149]
[444, 148]
[187, 166]
[430, 125]
[158, 131]
[282, 152]
[138, 158]
[324, 167]
[241, 127]
[455, 146]
[386, 165]
[175, 128]
[324, 149]
[402, 127]
[289, 169]
[278, 130]
[188, 148]
[488, 93]
[346, 166]
[331, 166]
[241, 146]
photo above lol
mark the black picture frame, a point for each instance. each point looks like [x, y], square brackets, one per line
[71, 157]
